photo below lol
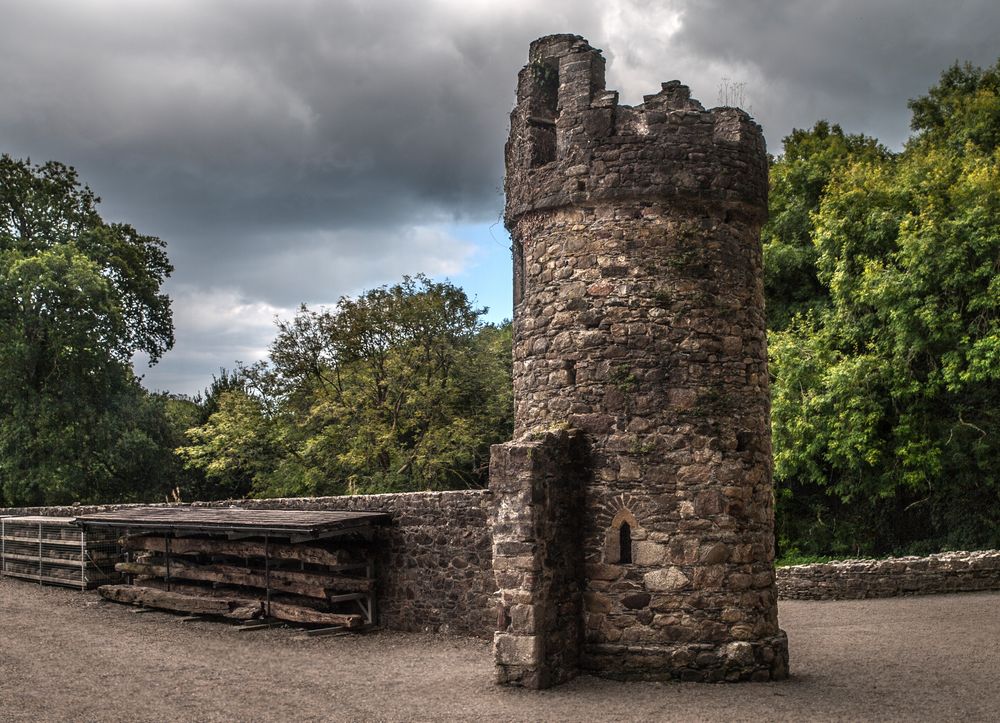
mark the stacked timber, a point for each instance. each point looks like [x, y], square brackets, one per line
[325, 583]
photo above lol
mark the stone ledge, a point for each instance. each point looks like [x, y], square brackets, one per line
[332, 502]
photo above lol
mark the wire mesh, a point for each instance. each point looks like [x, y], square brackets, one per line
[53, 551]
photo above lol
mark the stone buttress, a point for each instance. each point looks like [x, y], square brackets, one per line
[633, 529]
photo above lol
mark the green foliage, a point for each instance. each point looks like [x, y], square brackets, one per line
[235, 444]
[886, 391]
[961, 109]
[78, 297]
[797, 182]
[401, 388]
[213, 423]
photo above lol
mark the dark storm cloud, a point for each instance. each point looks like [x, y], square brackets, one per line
[855, 62]
[296, 151]
[237, 129]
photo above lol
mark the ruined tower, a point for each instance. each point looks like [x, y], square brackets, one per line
[633, 534]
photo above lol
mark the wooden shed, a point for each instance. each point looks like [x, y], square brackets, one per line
[313, 567]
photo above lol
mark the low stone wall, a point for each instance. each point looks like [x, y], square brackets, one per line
[434, 561]
[854, 579]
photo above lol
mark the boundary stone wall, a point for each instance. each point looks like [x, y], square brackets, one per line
[434, 560]
[856, 579]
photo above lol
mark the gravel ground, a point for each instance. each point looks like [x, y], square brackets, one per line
[67, 655]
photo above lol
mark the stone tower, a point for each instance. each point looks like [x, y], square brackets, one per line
[633, 534]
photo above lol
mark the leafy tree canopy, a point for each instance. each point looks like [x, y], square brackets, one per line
[78, 297]
[886, 390]
[798, 180]
[401, 388]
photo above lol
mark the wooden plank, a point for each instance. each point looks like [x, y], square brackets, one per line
[229, 591]
[299, 614]
[310, 584]
[348, 596]
[148, 597]
[334, 631]
[191, 587]
[45, 541]
[260, 626]
[77, 562]
[337, 559]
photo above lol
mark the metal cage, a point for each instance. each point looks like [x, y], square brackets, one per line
[53, 551]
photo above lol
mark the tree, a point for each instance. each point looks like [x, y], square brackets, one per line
[232, 449]
[798, 180]
[886, 399]
[78, 297]
[212, 470]
[401, 388]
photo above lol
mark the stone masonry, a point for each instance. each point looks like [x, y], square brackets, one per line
[639, 323]
[946, 572]
[538, 561]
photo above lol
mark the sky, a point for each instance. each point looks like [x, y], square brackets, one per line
[297, 151]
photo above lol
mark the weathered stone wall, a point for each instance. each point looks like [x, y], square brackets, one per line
[639, 321]
[434, 561]
[668, 148]
[854, 579]
[537, 485]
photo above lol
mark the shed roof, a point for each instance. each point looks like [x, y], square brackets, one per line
[234, 519]
[43, 519]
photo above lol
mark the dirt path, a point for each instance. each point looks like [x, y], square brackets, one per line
[69, 656]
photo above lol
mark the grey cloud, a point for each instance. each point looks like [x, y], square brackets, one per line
[851, 61]
[300, 150]
[331, 114]
[232, 129]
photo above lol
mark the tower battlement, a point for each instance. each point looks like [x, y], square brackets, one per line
[571, 142]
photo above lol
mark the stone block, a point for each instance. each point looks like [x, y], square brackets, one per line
[522, 619]
[600, 571]
[596, 602]
[636, 601]
[714, 554]
[665, 580]
[648, 553]
[520, 650]
[741, 631]
[709, 577]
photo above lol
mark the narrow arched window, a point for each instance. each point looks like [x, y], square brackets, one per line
[625, 543]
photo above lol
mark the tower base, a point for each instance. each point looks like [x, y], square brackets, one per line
[759, 660]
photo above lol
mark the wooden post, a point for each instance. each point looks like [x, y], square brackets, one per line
[166, 545]
[267, 576]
